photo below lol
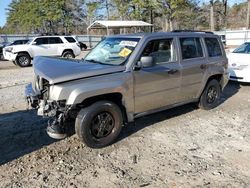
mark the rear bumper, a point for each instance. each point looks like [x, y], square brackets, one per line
[239, 75]
[9, 56]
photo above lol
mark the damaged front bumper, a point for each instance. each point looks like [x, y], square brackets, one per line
[46, 107]
[59, 113]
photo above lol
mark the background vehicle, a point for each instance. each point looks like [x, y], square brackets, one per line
[1, 52]
[83, 46]
[2, 45]
[19, 42]
[61, 46]
[16, 42]
[239, 63]
[125, 77]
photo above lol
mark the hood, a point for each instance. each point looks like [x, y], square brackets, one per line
[16, 48]
[57, 70]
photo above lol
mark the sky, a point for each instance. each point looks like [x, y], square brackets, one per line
[3, 5]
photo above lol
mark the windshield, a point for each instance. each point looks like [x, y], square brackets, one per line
[29, 42]
[112, 51]
[244, 48]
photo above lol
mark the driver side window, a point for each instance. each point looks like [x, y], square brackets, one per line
[41, 41]
[162, 51]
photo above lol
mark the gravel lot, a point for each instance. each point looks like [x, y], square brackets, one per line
[181, 147]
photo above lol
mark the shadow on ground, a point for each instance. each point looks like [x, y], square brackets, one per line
[231, 89]
[21, 132]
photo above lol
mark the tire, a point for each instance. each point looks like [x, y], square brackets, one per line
[23, 60]
[88, 124]
[1, 57]
[68, 55]
[210, 97]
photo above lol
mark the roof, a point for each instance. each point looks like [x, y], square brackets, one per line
[118, 23]
[165, 34]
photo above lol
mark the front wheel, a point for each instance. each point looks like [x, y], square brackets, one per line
[99, 124]
[68, 55]
[23, 60]
[210, 96]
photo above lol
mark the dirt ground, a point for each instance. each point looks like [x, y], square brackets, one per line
[181, 147]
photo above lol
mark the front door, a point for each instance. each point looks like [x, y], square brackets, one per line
[41, 47]
[159, 85]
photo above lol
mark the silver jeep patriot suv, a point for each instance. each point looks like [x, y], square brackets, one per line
[125, 77]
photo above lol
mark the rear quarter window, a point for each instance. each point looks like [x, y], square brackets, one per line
[70, 39]
[213, 47]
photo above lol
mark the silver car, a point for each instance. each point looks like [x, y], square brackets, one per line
[125, 77]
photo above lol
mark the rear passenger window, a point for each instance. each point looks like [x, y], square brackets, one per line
[213, 47]
[55, 40]
[162, 51]
[191, 48]
[70, 39]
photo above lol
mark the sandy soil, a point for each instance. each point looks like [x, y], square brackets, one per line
[181, 147]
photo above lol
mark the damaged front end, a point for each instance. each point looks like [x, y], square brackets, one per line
[60, 114]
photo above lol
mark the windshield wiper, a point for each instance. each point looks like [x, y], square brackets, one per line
[94, 61]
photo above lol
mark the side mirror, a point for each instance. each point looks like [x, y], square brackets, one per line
[147, 61]
[34, 43]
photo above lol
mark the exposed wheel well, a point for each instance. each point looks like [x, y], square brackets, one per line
[24, 52]
[68, 50]
[113, 97]
[217, 77]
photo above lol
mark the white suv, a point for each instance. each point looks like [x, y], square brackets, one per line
[61, 46]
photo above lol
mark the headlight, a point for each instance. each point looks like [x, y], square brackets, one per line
[9, 49]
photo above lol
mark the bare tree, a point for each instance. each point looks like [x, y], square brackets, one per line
[211, 15]
[248, 14]
[224, 2]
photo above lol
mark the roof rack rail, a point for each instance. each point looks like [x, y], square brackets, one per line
[178, 31]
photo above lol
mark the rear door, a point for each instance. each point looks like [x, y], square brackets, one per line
[55, 43]
[193, 64]
[159, 85]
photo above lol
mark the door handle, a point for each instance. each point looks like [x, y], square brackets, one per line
[203, 66]
[172, 71]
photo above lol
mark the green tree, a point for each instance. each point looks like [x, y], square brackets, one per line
[44, 16]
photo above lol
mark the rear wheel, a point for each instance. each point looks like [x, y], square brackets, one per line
[99, 124]
[68, 55]
[211, 95]
[23, 60]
